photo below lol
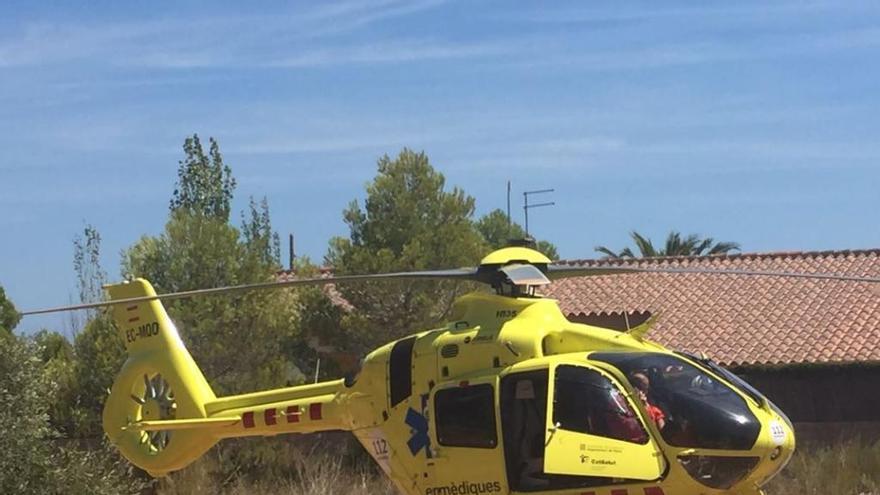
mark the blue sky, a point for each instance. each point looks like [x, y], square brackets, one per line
[754, 122]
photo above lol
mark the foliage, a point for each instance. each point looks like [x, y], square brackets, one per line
[193, 252]
[409, 221]
[90, 277]
[262, 248]
[34, 458]
[198, 252]
[100, 355]
[849, 467]
[58, 358]
[87, 371]
[96, 469]
[204, 183]
[200, 249]
[9, 317]
[53, 346]
[240, 340]
[320, 320]
[24, 416]
[497, 231]
[675, 245]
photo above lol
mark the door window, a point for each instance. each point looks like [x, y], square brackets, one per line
[585, 401]
[593, 429]
[524, 401]
[466, 417]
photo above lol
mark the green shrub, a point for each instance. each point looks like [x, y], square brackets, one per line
[33, 457]
[847, 468]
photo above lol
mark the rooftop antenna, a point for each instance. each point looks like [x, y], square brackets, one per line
[527, 206]
[292, 252]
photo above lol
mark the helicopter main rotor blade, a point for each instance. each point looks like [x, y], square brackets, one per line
[556, 272]
[519, 274]
[454, 274]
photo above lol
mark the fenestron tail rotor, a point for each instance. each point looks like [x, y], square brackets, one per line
[155, 403]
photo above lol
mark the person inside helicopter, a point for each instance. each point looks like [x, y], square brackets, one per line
[689, 404]
[584, 401]
[691, 407]
[642, 384]
[616, 419]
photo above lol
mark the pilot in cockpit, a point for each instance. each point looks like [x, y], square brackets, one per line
[642, 384]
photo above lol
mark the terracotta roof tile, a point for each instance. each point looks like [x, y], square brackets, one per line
[745, 320]
[330, 289]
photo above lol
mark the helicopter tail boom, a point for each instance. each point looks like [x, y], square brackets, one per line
[161, 412]
[156, 412]
[301, 409]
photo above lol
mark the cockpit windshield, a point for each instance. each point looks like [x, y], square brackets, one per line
[696, 409]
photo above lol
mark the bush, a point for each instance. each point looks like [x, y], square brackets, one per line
[24, 467]
[33, 457]
[847, 468]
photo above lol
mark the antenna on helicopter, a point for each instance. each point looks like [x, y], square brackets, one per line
[526, 242]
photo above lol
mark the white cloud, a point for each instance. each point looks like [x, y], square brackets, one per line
[728, 11]
[650, 54]
[393, 52]
[197, 42]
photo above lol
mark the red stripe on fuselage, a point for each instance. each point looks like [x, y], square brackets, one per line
[269, 416]
[292, 414]
[315, 411]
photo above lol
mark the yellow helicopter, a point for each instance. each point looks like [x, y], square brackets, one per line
[507, 397]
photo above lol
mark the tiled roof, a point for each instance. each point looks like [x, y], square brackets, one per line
[738, 320]
[329, 289]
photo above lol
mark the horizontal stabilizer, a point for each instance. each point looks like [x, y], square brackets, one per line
[183, 424]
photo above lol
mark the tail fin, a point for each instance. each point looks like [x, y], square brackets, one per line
[159, 384]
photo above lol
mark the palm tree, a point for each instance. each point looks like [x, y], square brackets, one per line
[676, 245]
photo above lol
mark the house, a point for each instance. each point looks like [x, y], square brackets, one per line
[812, 346]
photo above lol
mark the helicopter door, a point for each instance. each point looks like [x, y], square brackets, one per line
[593, 428]
[465, 446]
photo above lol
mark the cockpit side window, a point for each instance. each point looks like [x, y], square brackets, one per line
[466, 417]
[585, 401]
[697, 409]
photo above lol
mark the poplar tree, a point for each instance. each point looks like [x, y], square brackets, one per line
[237, 339]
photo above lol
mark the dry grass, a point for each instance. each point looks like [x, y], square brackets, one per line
[316, 471]
[846, 468]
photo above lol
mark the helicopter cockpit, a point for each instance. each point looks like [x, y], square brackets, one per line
[698, 410]
[625, 417]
